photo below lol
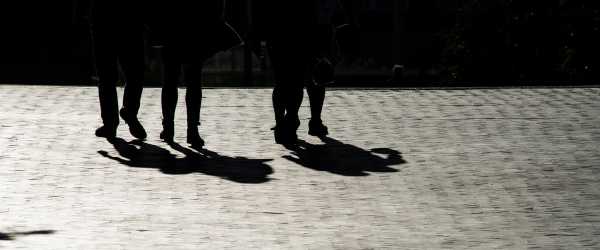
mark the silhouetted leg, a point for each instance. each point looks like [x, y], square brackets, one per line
[319, 50]
[295, 66]
[278, 99]
[287, 96]
[293, 99]
[278, 96]
[316, 97]
[294, 96]
[322, 75]
[132, 61]
[169, 95]
[106, 65]
[131, 57]
[193, 101]
[289, 75]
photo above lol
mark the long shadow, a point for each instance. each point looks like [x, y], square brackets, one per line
[140, 154]
[13, 235]
[344, 159]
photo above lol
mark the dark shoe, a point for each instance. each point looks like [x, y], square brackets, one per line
[108, 132]
[194, 139]
[135, 127]
[317, 128]
[279, 135]
[291, 126]
[168, 132]
[290, 136]
[285, 134]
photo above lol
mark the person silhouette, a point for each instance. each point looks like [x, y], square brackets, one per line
[190, 32]
[303, 47]
[287, 28]
[117, 29]
[331, 37]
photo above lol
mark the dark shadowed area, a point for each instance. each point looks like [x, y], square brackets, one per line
[344, 159]
[139, 154]
[14, 235]
[394, 43]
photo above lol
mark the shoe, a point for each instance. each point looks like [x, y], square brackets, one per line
[194, 139]
[108, 132]
[285, 134]
[291, 126]
[168, 131]
[317, 128]
[135, 127]
[279, 135]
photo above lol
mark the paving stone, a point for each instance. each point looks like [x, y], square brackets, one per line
[503, 168]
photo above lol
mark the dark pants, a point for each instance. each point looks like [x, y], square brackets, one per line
[290, 64]
[114, 49]
[293, 57]
[192, 76]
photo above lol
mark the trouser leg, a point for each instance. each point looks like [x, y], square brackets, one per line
[106, 65]
[169, 95]
[193, 96]
[289, 77]
[278, 99]
[131, 58]
[316, 97]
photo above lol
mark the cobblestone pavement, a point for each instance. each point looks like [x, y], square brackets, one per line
[403, 169]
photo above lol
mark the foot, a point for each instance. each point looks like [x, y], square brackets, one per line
[292, 125]
[168, 132]
[280, 137]
[317, 128]
[108, 132]
[285, 133]
[194, 139]
[135, 127]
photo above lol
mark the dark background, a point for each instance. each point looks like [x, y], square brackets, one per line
[428, 42]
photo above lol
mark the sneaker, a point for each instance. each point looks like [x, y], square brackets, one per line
[317, 128]
[135, 127]
[108, 132]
